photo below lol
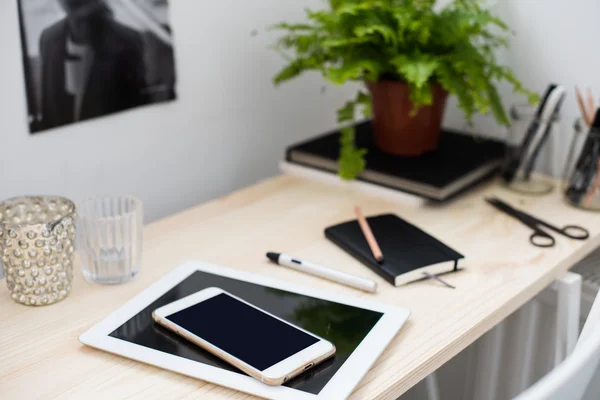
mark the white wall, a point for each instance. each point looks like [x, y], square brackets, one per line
[557, 42]
[228, 128]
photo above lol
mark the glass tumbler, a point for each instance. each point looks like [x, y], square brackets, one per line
[518, 177]
[110, 238]
[37, 239]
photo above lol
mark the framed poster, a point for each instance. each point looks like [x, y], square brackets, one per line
[85, 59]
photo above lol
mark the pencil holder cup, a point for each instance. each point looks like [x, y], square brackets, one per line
[37, 239]
[582, 172]
[528, 135]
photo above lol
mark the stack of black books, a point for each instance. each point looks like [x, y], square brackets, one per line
[461, 161]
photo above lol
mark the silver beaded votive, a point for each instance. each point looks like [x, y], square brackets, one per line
[37, 239]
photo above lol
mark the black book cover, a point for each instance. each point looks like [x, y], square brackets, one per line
[457, 155]
[405, 248]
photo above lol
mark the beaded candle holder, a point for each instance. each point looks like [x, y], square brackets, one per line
[37, 238]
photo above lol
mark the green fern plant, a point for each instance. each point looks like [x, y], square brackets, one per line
[408, 41]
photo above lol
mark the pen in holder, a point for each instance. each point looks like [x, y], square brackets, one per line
[582, 172]
[529, 132]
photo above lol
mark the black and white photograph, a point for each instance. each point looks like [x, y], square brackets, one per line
[84, 59]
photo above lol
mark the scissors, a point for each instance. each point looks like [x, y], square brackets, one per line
[539, 237]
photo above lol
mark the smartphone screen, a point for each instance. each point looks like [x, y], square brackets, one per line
[243, 331]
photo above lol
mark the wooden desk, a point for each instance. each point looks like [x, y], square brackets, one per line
[40, 356]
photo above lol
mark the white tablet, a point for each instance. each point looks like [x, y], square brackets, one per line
[360, 329]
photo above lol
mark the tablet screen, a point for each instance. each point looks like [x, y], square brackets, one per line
[343, 325]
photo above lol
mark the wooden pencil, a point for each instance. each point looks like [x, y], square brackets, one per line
[582, 107]
[591, 105]
[589, 198]
[368, 233]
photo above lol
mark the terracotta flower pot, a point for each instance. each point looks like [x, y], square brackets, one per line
[396, 131]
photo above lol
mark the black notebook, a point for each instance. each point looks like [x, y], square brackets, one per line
[407, 250]
[460, 161]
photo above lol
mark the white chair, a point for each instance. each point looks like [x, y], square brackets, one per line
[571, 378]
[486, 358]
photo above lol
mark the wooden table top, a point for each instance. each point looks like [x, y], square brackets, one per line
[40, 356]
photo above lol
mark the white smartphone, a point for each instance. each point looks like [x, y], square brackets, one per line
[253, 340]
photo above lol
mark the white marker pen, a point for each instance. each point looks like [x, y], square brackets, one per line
[317, 270]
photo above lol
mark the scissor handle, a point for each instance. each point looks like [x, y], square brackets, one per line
[575, 232]
[540, 238]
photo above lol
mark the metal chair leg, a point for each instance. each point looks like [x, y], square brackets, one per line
[433, 389]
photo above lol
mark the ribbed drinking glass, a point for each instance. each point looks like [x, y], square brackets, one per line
[110, 230]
